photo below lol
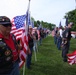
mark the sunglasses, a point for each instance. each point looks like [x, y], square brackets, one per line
[7, 25]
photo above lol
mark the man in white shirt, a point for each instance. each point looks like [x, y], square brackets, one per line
[59, 38]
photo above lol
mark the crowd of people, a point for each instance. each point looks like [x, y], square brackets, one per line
[9, 59]
[35, 38]
[62, 37]
[10, 47]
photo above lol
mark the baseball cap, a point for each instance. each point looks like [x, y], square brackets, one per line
[71, 23]
[5, 21]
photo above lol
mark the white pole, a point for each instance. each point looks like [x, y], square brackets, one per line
[35, 53]
[27, 24]
[35, 49]
[75, 4]
[37, 45]
[24, 69]
[35, 56]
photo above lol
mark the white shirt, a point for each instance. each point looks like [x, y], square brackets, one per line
[61, 31]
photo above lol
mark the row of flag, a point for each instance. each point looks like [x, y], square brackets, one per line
[20, 30]
[20, 26]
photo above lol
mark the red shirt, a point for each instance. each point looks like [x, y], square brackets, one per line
[11, 44]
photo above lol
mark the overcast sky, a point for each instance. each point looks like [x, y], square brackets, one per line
[51, 11]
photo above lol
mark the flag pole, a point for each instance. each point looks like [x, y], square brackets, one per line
[24, 67]
[75, 11]
[75, 4]
[35, 55]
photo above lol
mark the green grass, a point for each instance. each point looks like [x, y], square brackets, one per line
[49, 60]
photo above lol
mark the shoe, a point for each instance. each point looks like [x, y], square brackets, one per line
[65, 60]
[29, 68]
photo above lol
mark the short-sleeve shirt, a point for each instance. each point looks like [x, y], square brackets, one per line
[11, 45]
[67, 34]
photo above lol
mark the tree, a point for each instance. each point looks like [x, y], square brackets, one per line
[71, 15]
[43, 24]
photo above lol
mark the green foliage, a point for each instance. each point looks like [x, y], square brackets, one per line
[71, 15]
[49, 60]
[35, 24]
[38, 22]
[44, 24]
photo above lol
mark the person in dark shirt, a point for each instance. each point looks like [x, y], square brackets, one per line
[35, 33]
[31, 37]
[55, 36]
[9, 61]
[66, 41]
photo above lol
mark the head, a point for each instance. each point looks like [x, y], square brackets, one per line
[5, 25]
[35, 28]
[30, 29]
[70, 24]
[65, 27]
[60, 27]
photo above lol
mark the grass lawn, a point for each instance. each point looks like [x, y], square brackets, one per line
[49, 60]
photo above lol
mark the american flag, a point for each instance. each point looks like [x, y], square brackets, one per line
[18, 23]
[19, 29]
[72, 58]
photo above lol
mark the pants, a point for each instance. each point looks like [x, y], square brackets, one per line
[65, 50]
[40, 41]
[29, 57]
[55, 39]
[15, 70]
[59, 41]
[35, 47]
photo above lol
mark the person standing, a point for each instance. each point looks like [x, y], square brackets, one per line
[9, 60]
[31, 38]
[59, 38]
[35, 40]
[41, 36]
[66, 41]
[55, 36]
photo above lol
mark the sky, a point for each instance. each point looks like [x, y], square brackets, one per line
[51, 11]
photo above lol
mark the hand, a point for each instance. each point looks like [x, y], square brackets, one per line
[65, 42]
[19, 47]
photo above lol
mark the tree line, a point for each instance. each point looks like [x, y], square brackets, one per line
[71, 15]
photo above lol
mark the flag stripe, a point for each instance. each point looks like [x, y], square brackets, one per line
[20, 31]
[72, 58]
